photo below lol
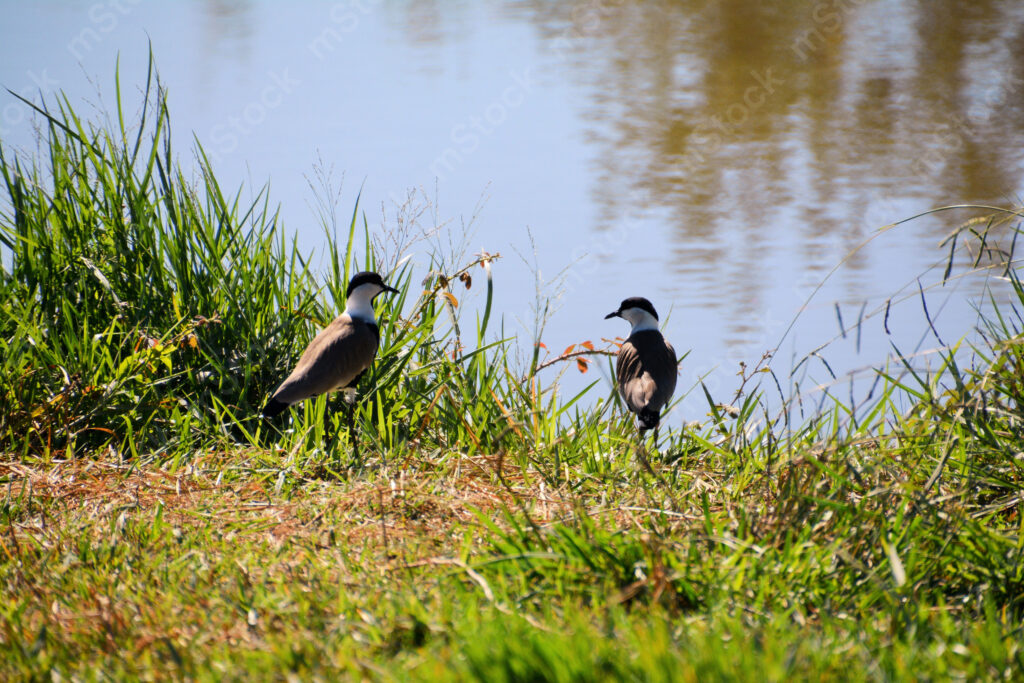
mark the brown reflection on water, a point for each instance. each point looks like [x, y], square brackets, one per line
[822, 117]
[227, 28]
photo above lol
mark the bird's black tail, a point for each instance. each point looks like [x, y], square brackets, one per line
[648, 419]
[274, 408]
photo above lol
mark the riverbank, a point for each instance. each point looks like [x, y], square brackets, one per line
[153, 525]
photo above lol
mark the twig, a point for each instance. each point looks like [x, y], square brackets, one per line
[570, 355]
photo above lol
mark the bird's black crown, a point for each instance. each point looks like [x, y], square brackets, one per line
[366, 277]
[638, 302]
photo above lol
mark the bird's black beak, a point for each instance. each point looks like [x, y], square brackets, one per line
[613, 314]
[390, 289]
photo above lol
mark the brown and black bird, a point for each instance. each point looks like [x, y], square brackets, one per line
[646, 368]
[340, 353]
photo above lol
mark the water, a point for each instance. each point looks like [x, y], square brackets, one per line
[717, 157]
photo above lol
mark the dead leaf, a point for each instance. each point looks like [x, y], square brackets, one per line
[588, 345]
[730, 410]
[451, 299]
[466, 280]
[581, 365]
[568, 349]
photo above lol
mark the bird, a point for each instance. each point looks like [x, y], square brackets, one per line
[646, 367]
[339, 354]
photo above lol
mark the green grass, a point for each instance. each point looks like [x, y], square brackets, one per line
[152, 526]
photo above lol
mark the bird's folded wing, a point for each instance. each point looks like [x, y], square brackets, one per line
[333, 359]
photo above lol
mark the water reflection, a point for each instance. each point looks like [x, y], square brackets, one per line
[770, 81]
[228, 30]
[821, 121]
[752, 126]
[228, 33]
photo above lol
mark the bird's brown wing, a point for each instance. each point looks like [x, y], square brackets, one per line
[644, 356]
[335, 357]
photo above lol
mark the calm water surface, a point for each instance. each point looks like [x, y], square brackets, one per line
[717, 157]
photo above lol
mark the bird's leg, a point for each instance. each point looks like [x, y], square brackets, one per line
[350, 401]
[327, 422]
[641, 455]
[352, 432]
[330, 434]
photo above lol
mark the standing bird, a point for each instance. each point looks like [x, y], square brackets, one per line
[646, 368]
[341, 352]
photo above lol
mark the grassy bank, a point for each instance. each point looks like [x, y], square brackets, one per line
[151, 525]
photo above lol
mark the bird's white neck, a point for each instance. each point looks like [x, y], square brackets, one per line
[359, 304]
[640, 320]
